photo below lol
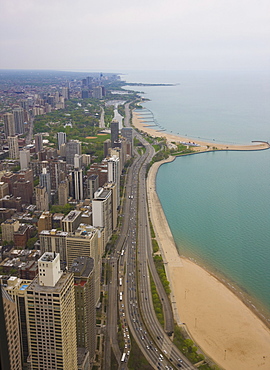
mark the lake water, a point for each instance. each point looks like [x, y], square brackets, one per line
[217, 204]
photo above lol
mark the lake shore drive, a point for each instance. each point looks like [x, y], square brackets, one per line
[216, 318]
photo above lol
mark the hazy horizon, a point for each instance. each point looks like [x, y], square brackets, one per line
[141, 35]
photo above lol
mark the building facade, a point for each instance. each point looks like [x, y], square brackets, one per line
[51, 317]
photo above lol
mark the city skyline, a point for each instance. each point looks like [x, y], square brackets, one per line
[164, 36]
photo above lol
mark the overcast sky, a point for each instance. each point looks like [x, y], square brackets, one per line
[135, 35]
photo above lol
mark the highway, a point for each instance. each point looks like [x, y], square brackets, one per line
[133, 253]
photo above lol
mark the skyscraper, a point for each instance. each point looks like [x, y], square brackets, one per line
[45, 180]
[42, 198]
[61, 139]
[51, 317]
[12, 331]
[86, 242]
[65, 92]
[114, 174]
[9, 125]
[72, 147]
[13, 146]
[18, 114]
[127, 132]
[24, 158]
[76, 185]
[114, 132]
[102, 211]
[63, 192]
[84, 283]
[16, 288]
[38, 143]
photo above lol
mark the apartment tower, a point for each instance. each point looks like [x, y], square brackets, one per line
[51, 317]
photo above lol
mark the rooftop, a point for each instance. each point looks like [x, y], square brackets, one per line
[82, 266]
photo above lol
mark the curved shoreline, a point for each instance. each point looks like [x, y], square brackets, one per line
[228, 330]
[203, 145]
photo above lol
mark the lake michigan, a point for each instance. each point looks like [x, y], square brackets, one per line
[217, 204]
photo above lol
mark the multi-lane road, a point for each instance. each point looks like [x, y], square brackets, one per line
[129, 288]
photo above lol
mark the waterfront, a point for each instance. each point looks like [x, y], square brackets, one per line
[237, 192]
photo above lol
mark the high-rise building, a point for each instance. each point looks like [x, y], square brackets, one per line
[38, 143]
[24, 158]
[86, 242]
[24, 189]
[114, 132]
[127, 132]
[3, 189]
[42, 198]
[63, 192]
[45, 180]
[54, 241]
[61, 139]
[106, 146]
[65, 92]
[114, 173]
[102, 211]
[16, 288]
[45, 222]
[12, 330]
[72, 220]
[114, 191]
[86, 159]
[84, 283]
[13, 146]
[78, 161]
[72, 147]
[9, 125]
[97, 92]
[18, 114]
[76, 184]
[85, 94]
[51, 317]
[8, 228]
[92, 186]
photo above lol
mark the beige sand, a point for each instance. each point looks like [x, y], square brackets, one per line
[137, 122]
[218, 321]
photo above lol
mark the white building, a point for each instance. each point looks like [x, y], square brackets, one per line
[102, 211]
[24, 158]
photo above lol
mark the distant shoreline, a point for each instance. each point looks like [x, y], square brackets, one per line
[147, 84]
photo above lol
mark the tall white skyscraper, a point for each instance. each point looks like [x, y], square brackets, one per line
[114, 174]
[102, 211]
[51, 317]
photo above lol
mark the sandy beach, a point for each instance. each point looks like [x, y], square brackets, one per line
[218, 321]
[203, 145]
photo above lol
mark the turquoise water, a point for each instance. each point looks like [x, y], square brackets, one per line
[218, 204]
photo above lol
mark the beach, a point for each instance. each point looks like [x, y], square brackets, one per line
[137, 121]
[217, 319]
